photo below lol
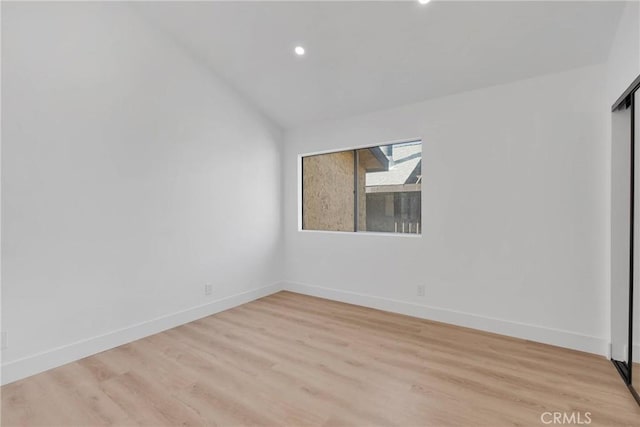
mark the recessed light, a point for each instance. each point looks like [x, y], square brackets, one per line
[299, 50]
[423, 1]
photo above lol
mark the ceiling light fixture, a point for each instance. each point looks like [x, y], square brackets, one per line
[423, 1]
[299, 50]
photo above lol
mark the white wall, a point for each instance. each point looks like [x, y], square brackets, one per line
[515, 202]
[623, 65]
[130, 178]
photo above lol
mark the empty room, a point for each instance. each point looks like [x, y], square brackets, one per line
[320, 213]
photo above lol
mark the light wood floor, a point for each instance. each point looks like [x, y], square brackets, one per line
[294, 360]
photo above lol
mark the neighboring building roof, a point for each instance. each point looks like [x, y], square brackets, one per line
[404, 168]
[373, 159]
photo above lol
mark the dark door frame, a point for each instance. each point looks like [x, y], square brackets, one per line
[627, 100]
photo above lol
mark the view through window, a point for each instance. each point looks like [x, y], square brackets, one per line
[376, 189]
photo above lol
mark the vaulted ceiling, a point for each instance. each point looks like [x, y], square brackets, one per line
[363, 56]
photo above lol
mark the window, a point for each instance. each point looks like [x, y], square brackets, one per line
[375, 189]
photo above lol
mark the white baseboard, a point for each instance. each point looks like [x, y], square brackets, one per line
[31, 365]
[540, 334]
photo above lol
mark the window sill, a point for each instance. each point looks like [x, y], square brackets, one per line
[362, 233]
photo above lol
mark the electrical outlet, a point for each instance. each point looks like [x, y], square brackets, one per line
[208, 289]
[421, 290]
[5, 340]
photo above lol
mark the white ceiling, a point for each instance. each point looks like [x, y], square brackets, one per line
[366, 56]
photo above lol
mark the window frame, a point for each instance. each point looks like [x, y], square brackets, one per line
[300, 193]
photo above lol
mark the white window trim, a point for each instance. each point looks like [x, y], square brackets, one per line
[363, 233]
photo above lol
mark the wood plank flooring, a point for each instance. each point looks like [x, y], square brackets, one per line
[294, 360]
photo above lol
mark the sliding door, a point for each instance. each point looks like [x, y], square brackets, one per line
[621, 235]
[634, 360]
[625, 236]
